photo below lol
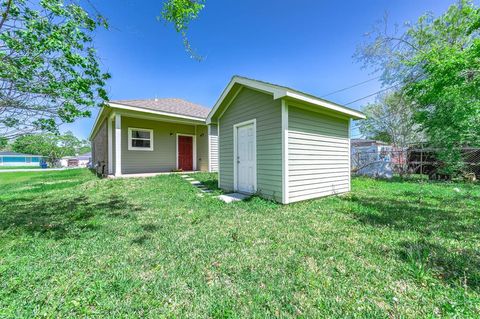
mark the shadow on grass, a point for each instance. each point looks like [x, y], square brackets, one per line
[210, 180]
[428, 214]
[57, 218]
[456, 267]
[417, 216]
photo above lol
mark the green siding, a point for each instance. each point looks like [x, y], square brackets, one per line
[318, 154]
[248, 105]
[163, 156]
[202, 148]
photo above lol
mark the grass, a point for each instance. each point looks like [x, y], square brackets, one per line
[72, 245]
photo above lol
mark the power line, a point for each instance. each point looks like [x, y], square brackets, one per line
[351, 86]
[370, 95]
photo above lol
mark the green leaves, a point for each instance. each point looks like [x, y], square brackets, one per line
[390, 119]
[437, 62]
[182, 12]
[51, 146]
[49, 71]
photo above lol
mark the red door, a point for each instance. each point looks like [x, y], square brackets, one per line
[185, 153]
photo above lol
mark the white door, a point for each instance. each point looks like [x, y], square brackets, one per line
[246, 158]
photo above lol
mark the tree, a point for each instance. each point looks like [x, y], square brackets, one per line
[436, 63]
[3, 143]
[49, 70]
[390, 119]
[180, 13]
[52, 146]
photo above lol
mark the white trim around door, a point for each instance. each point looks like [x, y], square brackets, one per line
[194, 151]
[235, 153]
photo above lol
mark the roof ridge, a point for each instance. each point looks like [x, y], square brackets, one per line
[174, 106]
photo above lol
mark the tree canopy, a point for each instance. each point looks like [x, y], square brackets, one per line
[390, 119]
[435, 62]
[181, 13]
[52, 146]
[49, 71]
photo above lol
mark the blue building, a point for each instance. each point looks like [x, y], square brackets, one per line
[18, 159]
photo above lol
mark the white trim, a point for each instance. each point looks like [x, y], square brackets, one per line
[110, 145]
[235, 169]
[209, 131]
[90, 137]
[282, 92]
[285, 181]
[326, 104]
[349, 158]
[140, 109]
[218, 150]
[194, 153]
[132, 148]
[231, 101]
[118, 145]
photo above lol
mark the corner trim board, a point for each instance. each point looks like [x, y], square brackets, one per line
[118, 145]
[285, 181]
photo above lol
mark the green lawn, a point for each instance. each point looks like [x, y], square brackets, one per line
[74, 245]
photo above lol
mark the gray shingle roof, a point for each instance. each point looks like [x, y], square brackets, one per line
[168, 105]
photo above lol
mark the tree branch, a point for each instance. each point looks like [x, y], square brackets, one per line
[5, 14]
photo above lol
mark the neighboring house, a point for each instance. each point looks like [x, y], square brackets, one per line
[76, 161]
[366, 151]
[280, 143]
[150, 136]
[18, 159]
[262, 138]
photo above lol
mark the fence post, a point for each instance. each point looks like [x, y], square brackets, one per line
[421, 159]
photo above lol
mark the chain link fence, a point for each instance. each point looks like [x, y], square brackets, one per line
[415, 160]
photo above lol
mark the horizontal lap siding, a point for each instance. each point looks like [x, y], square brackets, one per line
[202, 148]
[163, 157]
[213, 148]
[100, 148]
[318, 155]
[248, 105]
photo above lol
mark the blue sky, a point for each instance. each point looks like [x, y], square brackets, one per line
[305, 44]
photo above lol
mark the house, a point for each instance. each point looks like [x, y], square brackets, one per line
[366, 151]
[150, 136]
[280, 143]
[262, 138]
[18, 159]
[76, 161]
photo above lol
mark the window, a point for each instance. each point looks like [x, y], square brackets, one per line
[140, 139]
[28, 160]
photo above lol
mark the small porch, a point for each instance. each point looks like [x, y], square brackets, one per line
[142, 145]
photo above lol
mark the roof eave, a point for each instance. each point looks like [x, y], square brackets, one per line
[356, 115]
[145, 110]
[279, 93]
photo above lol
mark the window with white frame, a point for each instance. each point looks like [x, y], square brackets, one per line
[28, 160]
[140, 139]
